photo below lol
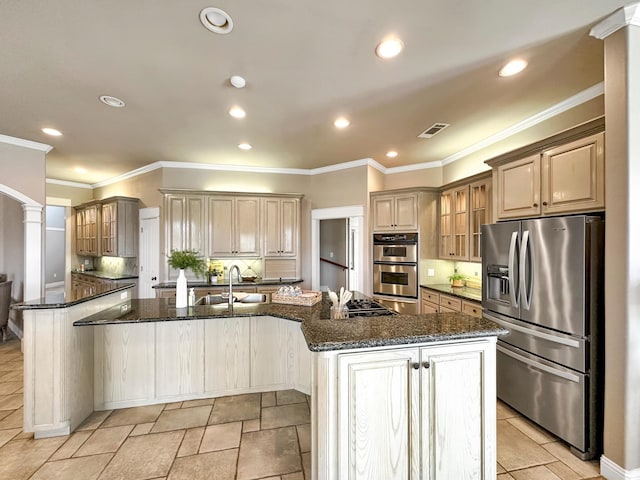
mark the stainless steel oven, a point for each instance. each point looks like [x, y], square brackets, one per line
[395, 264]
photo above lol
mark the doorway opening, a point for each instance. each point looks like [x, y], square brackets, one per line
[337, 231]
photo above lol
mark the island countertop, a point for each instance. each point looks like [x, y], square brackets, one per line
[321, 333]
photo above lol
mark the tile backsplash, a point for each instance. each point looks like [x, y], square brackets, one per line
[442, 269]
[116, 265]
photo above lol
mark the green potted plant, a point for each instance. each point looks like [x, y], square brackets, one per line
[457, 279]
[183, 260]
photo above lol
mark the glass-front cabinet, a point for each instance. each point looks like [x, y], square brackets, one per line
[463, 209]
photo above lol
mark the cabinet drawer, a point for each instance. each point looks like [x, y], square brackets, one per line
[472, 308]
[453, 303]
[428, 307]
[447, 310]
[430, 296]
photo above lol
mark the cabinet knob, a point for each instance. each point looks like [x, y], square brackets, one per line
[535, 204]
[415, 366]
[544, 203]
[425, 364]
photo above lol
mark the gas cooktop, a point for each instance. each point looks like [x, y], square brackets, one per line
[367, 308]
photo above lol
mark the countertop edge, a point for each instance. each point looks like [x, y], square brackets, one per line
[53, 306]
[460, 292]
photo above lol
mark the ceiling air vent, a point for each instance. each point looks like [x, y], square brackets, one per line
[433, 129]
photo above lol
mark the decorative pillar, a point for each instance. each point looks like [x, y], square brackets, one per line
[621, 35]
[32, 252]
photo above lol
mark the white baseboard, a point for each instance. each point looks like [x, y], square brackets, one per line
[612, 471]
[54, 284]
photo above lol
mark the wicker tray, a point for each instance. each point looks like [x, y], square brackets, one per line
[306, 298]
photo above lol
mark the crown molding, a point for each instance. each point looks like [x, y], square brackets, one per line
[567, 104]
[235, 168]
[126, 176]
[67, 183]
[629, 15]
[346, 165]
[413, 167]
[21, 142]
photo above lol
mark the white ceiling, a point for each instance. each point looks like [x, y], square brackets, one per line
[305, 61]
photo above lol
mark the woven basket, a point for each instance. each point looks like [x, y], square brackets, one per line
[306, 298]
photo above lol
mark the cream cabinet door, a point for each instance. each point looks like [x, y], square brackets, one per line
[185, 221]
[220, 224]
[458, 405]
[268, 352]
[406, 212]
[281, 227]
[573, 176]
[247, 227]
[383, 214]
[290, 209]
[179, 363]
[227, 354]
[518, 188]
[378, 414]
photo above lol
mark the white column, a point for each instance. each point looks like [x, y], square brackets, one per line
[621, 35]
[32, 252]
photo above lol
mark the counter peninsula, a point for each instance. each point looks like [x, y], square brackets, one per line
[391, 397]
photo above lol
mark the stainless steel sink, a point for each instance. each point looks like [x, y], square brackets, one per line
[238, 298]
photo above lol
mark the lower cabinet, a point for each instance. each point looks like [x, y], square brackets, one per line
[423, 412]
[146, 363]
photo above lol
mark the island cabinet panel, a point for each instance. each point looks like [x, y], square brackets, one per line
[124, 365]
[227, 354]
[268, 352]
[179, 358]
[378, 395]
[421, 412]
[453, 420]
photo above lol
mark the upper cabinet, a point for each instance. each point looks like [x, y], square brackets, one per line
[87, 224]
[395, 212]
[281, 219]
[234, 226]
[464, 207]
[185, 222]
[119, 235]
[568, 178]
[107, 227]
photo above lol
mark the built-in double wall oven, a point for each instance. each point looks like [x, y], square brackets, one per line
[395, 270]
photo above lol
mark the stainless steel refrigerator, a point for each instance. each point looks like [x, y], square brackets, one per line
[543, 281]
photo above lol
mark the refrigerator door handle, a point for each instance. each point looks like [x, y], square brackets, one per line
[533, 333]
[525, 293]
[512, 284]
[539, 366]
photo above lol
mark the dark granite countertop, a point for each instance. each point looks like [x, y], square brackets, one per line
[105, 275]
[258, 283]
[70, 297]
[320, 333]
[473, 294]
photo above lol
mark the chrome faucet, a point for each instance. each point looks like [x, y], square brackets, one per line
[237, 269]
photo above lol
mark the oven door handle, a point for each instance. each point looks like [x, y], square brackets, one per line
[533, 333]
[539, 366]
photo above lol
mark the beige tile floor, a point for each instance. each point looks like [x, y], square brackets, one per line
[256, 436]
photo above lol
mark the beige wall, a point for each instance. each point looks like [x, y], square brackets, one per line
[145, 187]
[622, 256]
[23, 170]
[12, 246]
[426, 177]
[74, 195]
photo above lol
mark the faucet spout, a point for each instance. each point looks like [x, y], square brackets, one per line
[231, 269]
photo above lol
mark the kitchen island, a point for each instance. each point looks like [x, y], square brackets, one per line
[428, 381]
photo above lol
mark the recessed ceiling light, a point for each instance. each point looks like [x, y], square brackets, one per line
[237, 112]
[341, 122]
[512, 68]
[238, 81]
[392, 154]
[216, 20]
[244, 146]
[112, 101]
[52, 131]
[389, 48]
[80, 170]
